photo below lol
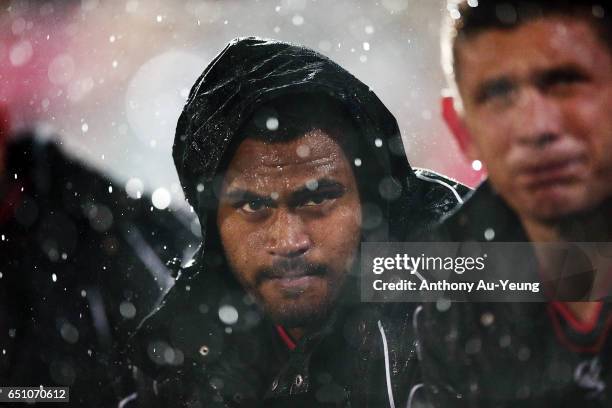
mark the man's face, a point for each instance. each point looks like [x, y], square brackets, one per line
[538, 106]
[289, 219]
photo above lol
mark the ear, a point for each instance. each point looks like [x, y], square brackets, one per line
[457, 127]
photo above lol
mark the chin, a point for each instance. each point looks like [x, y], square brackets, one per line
[555, 202]
[298, 314]
[562, 209]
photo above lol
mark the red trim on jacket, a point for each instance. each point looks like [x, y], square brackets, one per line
[577, 325]
[285, 337]
[557, 310]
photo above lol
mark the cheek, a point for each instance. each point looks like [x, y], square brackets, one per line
[338, 235]
[491, 145]
[591, 120]
[240, 244]
[490, 134]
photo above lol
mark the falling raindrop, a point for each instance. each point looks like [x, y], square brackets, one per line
[272, 123]
[297, 20]
[134, 188]
[487, 319]
[228, 314]
[127, 310]
[161, 198]
[312, 184]
[303, 151]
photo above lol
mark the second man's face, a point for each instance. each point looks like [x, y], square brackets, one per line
[290, 220]
[538, 106]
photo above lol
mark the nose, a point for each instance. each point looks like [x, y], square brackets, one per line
[539, 119]
[288, 235]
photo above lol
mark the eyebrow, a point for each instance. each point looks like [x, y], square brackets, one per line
[240, 194]
[322, 184]
[541, 78]
[569, 72]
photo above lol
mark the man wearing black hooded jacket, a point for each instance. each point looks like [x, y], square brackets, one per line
[290, 163]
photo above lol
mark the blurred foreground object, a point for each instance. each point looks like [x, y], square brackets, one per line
[82, 263]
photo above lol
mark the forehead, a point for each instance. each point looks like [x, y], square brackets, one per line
[259, 163]
[537, 44]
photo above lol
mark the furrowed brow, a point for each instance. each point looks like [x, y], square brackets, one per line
[322, 184]
[239, 194]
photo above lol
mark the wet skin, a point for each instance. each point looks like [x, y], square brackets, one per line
[538, 105]
[289, 219]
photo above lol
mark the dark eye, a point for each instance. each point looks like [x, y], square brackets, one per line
[495, 90]
[321, 197]
[561, 78]
[316, 200]
[253, 206]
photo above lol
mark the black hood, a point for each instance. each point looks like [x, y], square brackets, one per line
[250, 72]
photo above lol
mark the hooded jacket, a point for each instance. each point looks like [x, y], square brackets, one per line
[364, 354]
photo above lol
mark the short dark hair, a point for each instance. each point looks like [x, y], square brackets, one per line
[466, 19]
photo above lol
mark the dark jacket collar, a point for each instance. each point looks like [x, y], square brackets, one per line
[483, 210]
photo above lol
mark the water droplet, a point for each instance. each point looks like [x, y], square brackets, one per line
[21, 53]
[443, 304]
[303, 151]
[524, 354]
[487, 319]
[228, 314]
[297, 20]
[312, 184]
[69, 333]
[127, 310]
[161, 198]
[134, 188]
[272, 123]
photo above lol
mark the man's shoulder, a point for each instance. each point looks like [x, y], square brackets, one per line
[434, 196]
[483, 216]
